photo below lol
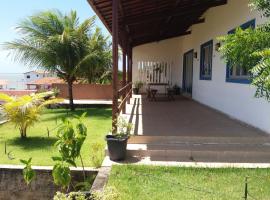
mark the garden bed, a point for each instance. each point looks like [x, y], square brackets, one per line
[135, 182]
[13, 186]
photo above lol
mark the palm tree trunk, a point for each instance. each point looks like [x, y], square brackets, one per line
[70, 95]
[23, 132]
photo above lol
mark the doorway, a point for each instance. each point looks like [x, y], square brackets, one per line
[187, 73]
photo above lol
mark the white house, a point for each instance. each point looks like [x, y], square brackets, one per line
[35, 75]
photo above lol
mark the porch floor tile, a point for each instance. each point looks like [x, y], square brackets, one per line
[183, 117]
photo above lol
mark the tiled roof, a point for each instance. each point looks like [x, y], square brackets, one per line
[46, 81]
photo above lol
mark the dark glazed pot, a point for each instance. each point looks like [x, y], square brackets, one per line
[117, 147]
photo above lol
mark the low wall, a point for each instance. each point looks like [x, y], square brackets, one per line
[17, 92]
[86, 91]
[13, 186]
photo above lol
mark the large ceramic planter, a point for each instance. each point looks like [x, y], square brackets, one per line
[117, 147]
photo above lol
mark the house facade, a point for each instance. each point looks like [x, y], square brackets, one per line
[224, 89]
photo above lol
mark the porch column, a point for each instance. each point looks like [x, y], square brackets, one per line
[115, 64]
[124, 76]
[129, 71]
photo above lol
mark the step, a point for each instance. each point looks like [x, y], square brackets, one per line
[263, 140]
[243, 153]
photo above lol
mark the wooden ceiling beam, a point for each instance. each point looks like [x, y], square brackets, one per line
[142, 21]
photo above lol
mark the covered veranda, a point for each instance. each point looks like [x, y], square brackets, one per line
[183, 117]
[134, 22]
[179, 130]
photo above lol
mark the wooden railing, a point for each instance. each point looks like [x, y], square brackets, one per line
[124, 94]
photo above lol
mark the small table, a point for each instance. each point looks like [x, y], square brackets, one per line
[151, 94]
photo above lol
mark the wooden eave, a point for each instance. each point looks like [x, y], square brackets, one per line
[145, 21]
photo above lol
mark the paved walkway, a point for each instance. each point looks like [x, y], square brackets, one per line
[89, 102]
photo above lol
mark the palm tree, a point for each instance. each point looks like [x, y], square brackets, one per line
[25, 111]
[100, 68]
[55, 42]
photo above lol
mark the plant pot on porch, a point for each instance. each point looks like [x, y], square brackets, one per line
[136, 90]
[117, 147]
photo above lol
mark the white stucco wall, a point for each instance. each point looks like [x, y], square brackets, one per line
[235, 99]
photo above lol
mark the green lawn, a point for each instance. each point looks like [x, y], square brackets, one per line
[41, 147]
[175, 183]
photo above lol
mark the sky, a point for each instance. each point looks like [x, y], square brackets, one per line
[13, 11]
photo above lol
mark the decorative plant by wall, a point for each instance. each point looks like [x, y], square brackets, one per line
[71, 137]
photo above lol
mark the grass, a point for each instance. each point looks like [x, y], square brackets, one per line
[174, 183]
[41, 147]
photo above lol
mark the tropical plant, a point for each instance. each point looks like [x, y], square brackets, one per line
[70, 140]
[250, 49]
[28, 173]
[26, 110]
[58, 43]
[98, 70]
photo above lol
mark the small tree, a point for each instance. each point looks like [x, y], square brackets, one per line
[250, 49]
[25, 111]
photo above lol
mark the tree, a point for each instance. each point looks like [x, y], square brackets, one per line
[250, 49]
[55, 42]
[98, 69]
[25, 111]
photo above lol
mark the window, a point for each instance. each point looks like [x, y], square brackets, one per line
[236, 74]
[206, 61]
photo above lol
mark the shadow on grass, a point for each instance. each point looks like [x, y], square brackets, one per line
[58, 114]
[32, 143]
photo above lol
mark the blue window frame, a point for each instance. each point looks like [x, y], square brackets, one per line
[236, 74]
[206, 60]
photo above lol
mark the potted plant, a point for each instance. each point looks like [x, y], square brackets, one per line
[177, 90]
[117, 143]
[137, 86]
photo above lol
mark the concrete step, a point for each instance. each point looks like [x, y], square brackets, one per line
[235, 153]
[263, 140]
[203, 156]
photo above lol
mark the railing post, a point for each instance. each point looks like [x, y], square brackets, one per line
[124, 77]
[115, 64]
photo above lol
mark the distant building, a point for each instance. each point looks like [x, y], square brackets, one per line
[37, 74]
[3, 84]
[43, 83]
